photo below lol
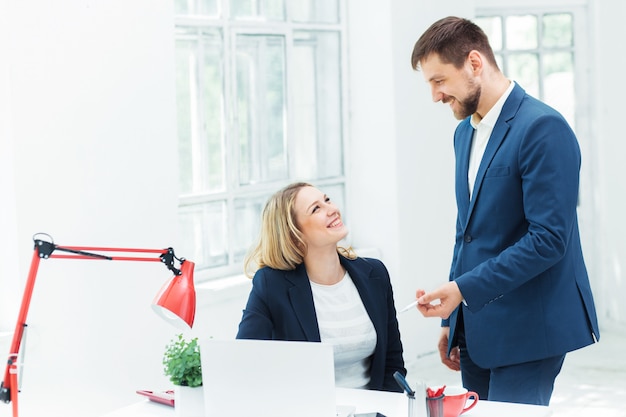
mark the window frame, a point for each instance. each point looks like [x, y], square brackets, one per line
[582, 24]
[229, 30]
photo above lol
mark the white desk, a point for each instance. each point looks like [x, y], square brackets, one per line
[396, 405]
[388, 403]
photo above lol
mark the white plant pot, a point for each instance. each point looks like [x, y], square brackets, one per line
[188, 402]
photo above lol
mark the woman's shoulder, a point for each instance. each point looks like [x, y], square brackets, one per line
[269, 274]
[373, 263]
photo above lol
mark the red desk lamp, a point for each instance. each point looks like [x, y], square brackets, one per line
[175, 302]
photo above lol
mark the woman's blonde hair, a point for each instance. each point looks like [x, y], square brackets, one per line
[280, 244]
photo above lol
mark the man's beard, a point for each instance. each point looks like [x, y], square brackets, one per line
[468, 106]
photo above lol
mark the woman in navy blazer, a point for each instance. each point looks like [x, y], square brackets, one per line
[297, 257]
[519, 297]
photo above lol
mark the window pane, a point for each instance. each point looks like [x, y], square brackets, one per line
[260, 108]
[524, 69]
[260, 103]
[500, 62]
[203, 7]
[558, 62]
[557, 30]
[199, 102]
[326, 11]
[317, 105]
[492, 26]
[203, 228]
[558, 83]
[247, 224]
[521, 32]
[268, 9]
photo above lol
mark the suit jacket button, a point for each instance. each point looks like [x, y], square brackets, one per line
[467, 238]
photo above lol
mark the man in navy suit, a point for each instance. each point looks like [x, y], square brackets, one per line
[518, 297]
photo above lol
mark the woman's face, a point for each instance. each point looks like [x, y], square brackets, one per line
[318, 218]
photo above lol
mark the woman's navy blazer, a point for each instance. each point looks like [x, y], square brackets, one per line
[280, 307]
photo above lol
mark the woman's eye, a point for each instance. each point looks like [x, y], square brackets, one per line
[316, 208]
[327, 199]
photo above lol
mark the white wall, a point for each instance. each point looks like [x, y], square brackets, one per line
[402, 163]
[88, 135]
[8, 215]
[609, 193]
[88, 141]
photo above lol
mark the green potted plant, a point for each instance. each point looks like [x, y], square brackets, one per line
[182, 365]
[182, 362]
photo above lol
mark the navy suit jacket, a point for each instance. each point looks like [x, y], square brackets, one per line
[280, 307]
[517, 258]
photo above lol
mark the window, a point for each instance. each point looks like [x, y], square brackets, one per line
[542, 44]
[260, 103]
[536, 49]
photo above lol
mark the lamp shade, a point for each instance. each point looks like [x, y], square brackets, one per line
[176, 301]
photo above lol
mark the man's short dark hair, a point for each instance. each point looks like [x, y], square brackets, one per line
[452, 39]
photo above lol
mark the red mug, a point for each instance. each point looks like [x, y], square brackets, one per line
[455, 401]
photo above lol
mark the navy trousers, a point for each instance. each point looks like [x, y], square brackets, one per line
[527, 383]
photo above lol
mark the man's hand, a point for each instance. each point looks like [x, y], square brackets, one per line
[449, 297]
[454, 361]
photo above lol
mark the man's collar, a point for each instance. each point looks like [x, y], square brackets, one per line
[492, 115]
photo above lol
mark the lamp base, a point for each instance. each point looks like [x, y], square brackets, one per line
[5, 395]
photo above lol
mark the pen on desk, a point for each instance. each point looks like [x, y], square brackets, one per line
[401, 380]
[407, 308]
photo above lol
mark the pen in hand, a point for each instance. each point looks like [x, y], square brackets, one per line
[407, 308]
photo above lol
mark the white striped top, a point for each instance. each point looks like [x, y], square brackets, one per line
[344, 323]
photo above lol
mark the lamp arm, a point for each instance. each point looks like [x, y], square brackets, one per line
[166, 256]
[44, 250]
[8, 389]
[168, 259]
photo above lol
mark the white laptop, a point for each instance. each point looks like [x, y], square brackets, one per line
[263, 378]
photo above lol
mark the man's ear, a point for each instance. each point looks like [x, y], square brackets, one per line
[475, 60]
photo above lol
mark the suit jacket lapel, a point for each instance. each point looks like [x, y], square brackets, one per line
[369, 291]
[463, 146]
[301, 298]
[496, 138]
[498, 134]
[358, 276]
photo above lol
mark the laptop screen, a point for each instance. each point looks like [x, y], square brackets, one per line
[267, 378]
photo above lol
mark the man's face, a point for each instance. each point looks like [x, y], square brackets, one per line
[452, 85]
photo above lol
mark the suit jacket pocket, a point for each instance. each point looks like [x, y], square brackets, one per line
[497, 171]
